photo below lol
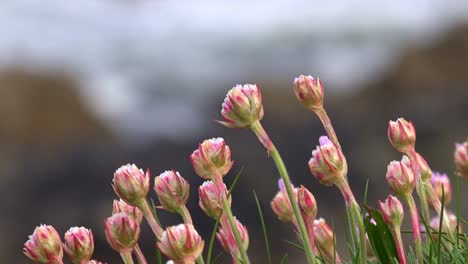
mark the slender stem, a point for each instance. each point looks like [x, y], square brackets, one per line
[148, 214]
[139, 255]
[352, 228]
[127, 257]
[265, 140]
[235, 232]
[457, 206]
[323, 116]
[420, 186]
[415, 223]
[399, 244]
[185, 214]
[424, 206]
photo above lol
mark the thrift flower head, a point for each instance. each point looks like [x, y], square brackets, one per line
[307, 204]
[309, 92]
[131, 184]
[122, 232]
[402, 135]
[392, 211]
[228, 242]
[172, 190]
[400, 177]
[242, 106]
[181, 243]
[210, 198]
[328, 164]
[441, 185]
[282, 206]
[44, 246]
[79, 244]
[121, 206]
[461, 159]
[212, 158]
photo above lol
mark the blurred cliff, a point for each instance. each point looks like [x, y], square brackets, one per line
[65, 130]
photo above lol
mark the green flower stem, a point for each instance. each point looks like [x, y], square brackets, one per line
[268, 144]
[415, 223]
[187, 218]
[398, 243]
[323, 116]
[235, 232]
[148, 214]
[139, 255]
[127, 257]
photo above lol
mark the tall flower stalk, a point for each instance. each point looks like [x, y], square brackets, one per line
[243, 108]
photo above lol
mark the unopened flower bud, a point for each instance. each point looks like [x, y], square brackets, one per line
[181, 243]
[402, 135]
[212, 158]
[242, 106]
[122, 232]
[309, 92]
[400, 177]
[95, 262]
[228, 242]
[131, 184]
[210, 198]
[392, 211]
[452, 221]
[425, 171]
[122, 207]
[44, 246]
[307, 204]
[441, 185]
[79, 244]
[461, 159]
[172, 190]
[327, 164]
[281, 205]
[324, 239]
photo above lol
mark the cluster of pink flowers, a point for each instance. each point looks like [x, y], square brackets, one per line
[243, 108]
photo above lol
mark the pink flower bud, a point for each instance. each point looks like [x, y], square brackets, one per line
[95, 262]
[131, 184]
[79, 244]
[242, 106]
[309, 92]
[327, 164]
[424, 169]
[307, 204]
[228, 242]
[181, 243]
[282, 206]
[441, 185]
[402, 135]
[392, 211]
[122, 232]
[461, 159]
[172, 190]
[44, 246]
[212, 158]
[122, 207]
[400, 177]
[210, 198]
[324, 239]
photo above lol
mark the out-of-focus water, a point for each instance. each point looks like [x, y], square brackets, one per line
[137, 61]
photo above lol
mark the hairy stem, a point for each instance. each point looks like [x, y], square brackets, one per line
[139, 255]
[323, 116]
[415, 224]
[127, 257]
[268, 144]
[399, 244]
[185, 214]
[148, 214]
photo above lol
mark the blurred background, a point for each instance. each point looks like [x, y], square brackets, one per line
[87, 86]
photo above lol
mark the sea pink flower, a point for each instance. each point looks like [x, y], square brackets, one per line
[242, 106]
[392, 211]
[122, 232]
[228, 242]
[181, 243]
[210, 198]
[324, 239]
[44, 246]
[461, 159]
[121, 206]
[400, 177]
[328, 164]
[172, 190]
[402, 135]
[79, 244]
[441, 181]
[212, 158]
[307, 204]
[309, 92]
[131, 184]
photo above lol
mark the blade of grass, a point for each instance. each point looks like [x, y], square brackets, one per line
[216, 259]
[440, 238]
[265, 236]
[300, 247]
[334, 241]
[284, 259]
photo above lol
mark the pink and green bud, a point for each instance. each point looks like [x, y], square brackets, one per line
[282, 206]
[228, 242]
[212, 158]
[121, 206]
[461, 159]
[324, 239]
[307, 204]
[392, 211]
[210, 198]
[309, 92]
[328, 164]
[441, 185]
[79, 244]
[402, 135]
[131, 184]
[181, 243]
[172, 190]
[425, 171]
[122, 232]
[242, 106]
[400, 177]
[44, 246]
